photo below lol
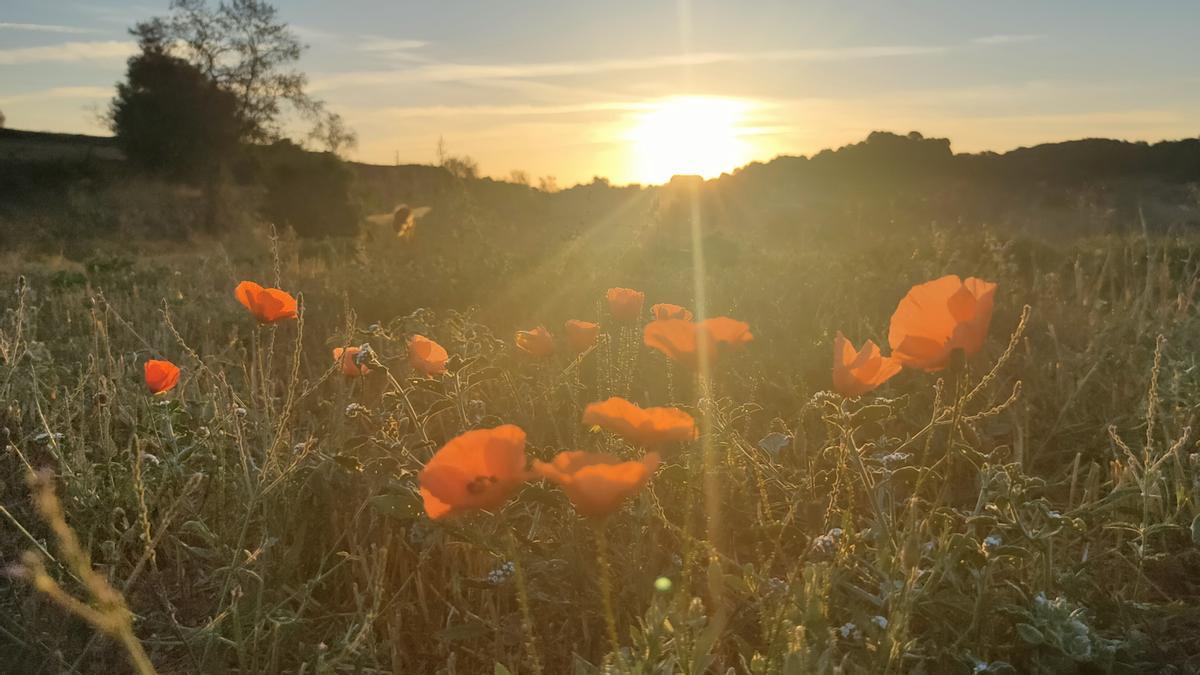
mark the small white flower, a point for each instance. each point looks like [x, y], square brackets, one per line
[240, 412]
[992, 542]
[848, 630]
[880, 621]
[501, 574]
[895, 458]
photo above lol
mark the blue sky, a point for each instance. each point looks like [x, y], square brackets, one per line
[555, 88]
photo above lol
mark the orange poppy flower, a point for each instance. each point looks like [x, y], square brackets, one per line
[681, 340]
[597, 483]
[346, 357]
[538, 342]
[647, 427]
[268, 305]
[938, 317]
[426, 356]
[663, 311]
[161, 376]
[625, 304]
[477, 470]
[856, 372]
[581, 335]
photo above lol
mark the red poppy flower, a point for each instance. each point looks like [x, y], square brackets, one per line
[597, 483]
[663, 311]
[856, 372]
[581, 335]
[647, 427]
[268, 305]
[346, 357]
[161, 376]
[426, 356]
[938, 317]
[538, 342]
[682, 340]
[625, 304]
[480, 469]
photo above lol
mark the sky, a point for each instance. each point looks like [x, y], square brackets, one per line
[637, 90]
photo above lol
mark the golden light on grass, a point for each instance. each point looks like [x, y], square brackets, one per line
[698, 135]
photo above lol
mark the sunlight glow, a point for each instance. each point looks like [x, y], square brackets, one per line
[689, 135]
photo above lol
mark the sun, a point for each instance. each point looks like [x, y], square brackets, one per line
[695, 135]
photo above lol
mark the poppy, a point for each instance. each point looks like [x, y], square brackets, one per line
[477, 470]
[647, 427]
[625, 304]
[597, 483]
[347, 358]
[937, 318]
[161, 376]
[268, 305]
[426, 356]
[856, 372]
[538, 342]
[663, 311]
[581, 335]
[682, 340]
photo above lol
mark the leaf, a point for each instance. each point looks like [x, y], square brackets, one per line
[870, 413]
[434, 386]
[398, 505]
[437, 407]
[773, 442]
[1030, 634]
[489, 373]
[1196, 529]
[501, 670]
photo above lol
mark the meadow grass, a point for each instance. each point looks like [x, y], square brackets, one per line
[1030, 510]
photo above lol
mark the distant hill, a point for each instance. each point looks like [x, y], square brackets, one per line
[22, 146]
[888, 159]
[886, 180]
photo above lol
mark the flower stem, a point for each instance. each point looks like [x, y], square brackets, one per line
[610, 616]
[535, 660]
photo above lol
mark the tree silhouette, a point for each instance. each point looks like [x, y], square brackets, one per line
[170, 118]
[245, 48]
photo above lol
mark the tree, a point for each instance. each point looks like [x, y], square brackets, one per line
[307, 191]
[332, 135]
[3, 119]
[463, 167]
[244, 48]
[170, 118]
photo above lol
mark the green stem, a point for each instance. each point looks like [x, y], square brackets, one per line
[531, 649]
[610, 616]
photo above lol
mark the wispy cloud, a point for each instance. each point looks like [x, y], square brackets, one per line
[1007, 39]
[373, 43]
[68, 52]
[516, 110]
[44, 28]
[59, 93]
[467, 72]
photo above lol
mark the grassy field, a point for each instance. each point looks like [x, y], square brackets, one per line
[1031, 510]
